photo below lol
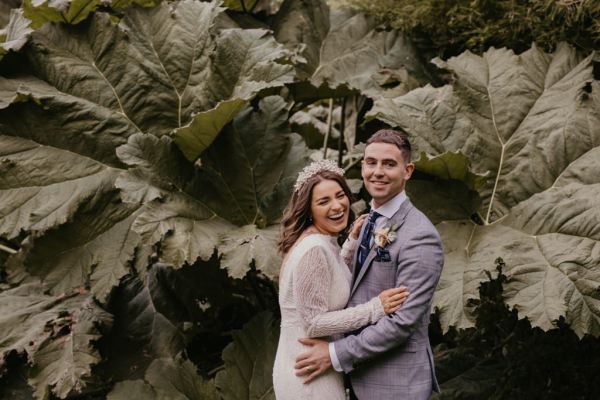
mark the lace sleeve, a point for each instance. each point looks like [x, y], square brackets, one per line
[349, 250]
[312, 284]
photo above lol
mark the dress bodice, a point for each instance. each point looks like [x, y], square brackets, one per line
[314, 288]
[314, 265]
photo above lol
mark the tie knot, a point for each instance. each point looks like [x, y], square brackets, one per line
[374, 215]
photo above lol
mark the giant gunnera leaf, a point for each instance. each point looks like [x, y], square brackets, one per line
[531, 122]
[231, 200]
[248, 372]
[348, 50]
[5, 10]
[36, 13]
[55, 333]
[14, 36]
[144, 324]
[72, 12]
[162, 70]
[80, 233]
[87, 88]
[167, 378]
[445, 179]
[69, 11]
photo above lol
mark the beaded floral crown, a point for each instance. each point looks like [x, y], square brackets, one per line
[314, 168]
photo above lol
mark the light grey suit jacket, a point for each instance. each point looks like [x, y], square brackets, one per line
[392, 359]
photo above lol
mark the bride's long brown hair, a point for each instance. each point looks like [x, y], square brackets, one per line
[297, 214]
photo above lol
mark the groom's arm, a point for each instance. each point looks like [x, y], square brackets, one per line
[419, 269]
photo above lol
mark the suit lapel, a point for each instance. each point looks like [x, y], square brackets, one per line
[364, 268]
[398, 219]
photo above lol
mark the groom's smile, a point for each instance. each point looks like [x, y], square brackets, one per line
[379, 183]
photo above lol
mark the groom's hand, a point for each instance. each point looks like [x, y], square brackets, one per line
[315, 361]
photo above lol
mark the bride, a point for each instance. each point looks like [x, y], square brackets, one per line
[314, 282]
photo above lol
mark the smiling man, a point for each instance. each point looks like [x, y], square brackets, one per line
[391, 359]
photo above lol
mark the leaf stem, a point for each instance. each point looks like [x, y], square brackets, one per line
[352, 164]
[329, 125]
[214, 371]
[253, 6]
[503, 144]
[7, 249]
[342, 128]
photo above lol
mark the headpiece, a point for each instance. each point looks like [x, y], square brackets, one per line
[314, 168]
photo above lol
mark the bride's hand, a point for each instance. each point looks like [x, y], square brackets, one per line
[392, 299]
[357, 225]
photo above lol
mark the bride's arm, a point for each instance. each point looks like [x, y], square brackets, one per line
[351, 244]
[312, 287]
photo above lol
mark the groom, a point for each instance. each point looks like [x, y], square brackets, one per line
[392, 358]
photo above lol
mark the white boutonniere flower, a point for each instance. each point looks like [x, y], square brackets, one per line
[385, 235]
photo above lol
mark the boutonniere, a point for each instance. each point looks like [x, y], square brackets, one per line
[385, 235]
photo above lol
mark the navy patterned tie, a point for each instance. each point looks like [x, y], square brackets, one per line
[365, 243]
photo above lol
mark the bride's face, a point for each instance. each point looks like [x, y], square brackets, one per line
[329, 207]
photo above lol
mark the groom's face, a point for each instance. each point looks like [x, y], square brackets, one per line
[384, 171]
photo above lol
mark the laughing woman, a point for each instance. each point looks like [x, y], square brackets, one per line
[314, 282]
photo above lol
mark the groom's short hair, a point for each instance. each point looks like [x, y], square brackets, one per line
[391, 136]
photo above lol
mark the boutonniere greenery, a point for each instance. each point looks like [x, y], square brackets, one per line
[385, 235]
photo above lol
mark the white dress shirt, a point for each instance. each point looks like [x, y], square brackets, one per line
[387, 211]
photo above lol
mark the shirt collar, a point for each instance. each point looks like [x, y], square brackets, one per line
[389, 209]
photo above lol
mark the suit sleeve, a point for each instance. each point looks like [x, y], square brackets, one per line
[419, 269]
[312, 285]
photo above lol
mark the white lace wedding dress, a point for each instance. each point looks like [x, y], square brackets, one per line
[314, 287]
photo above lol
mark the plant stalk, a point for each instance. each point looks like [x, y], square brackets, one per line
[7, 249]
[352, 164]
[342, 128]
[329, 126]
[253, 6]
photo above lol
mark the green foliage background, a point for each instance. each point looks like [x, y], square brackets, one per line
[505, 358]
[449, 27]
[147, 150]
